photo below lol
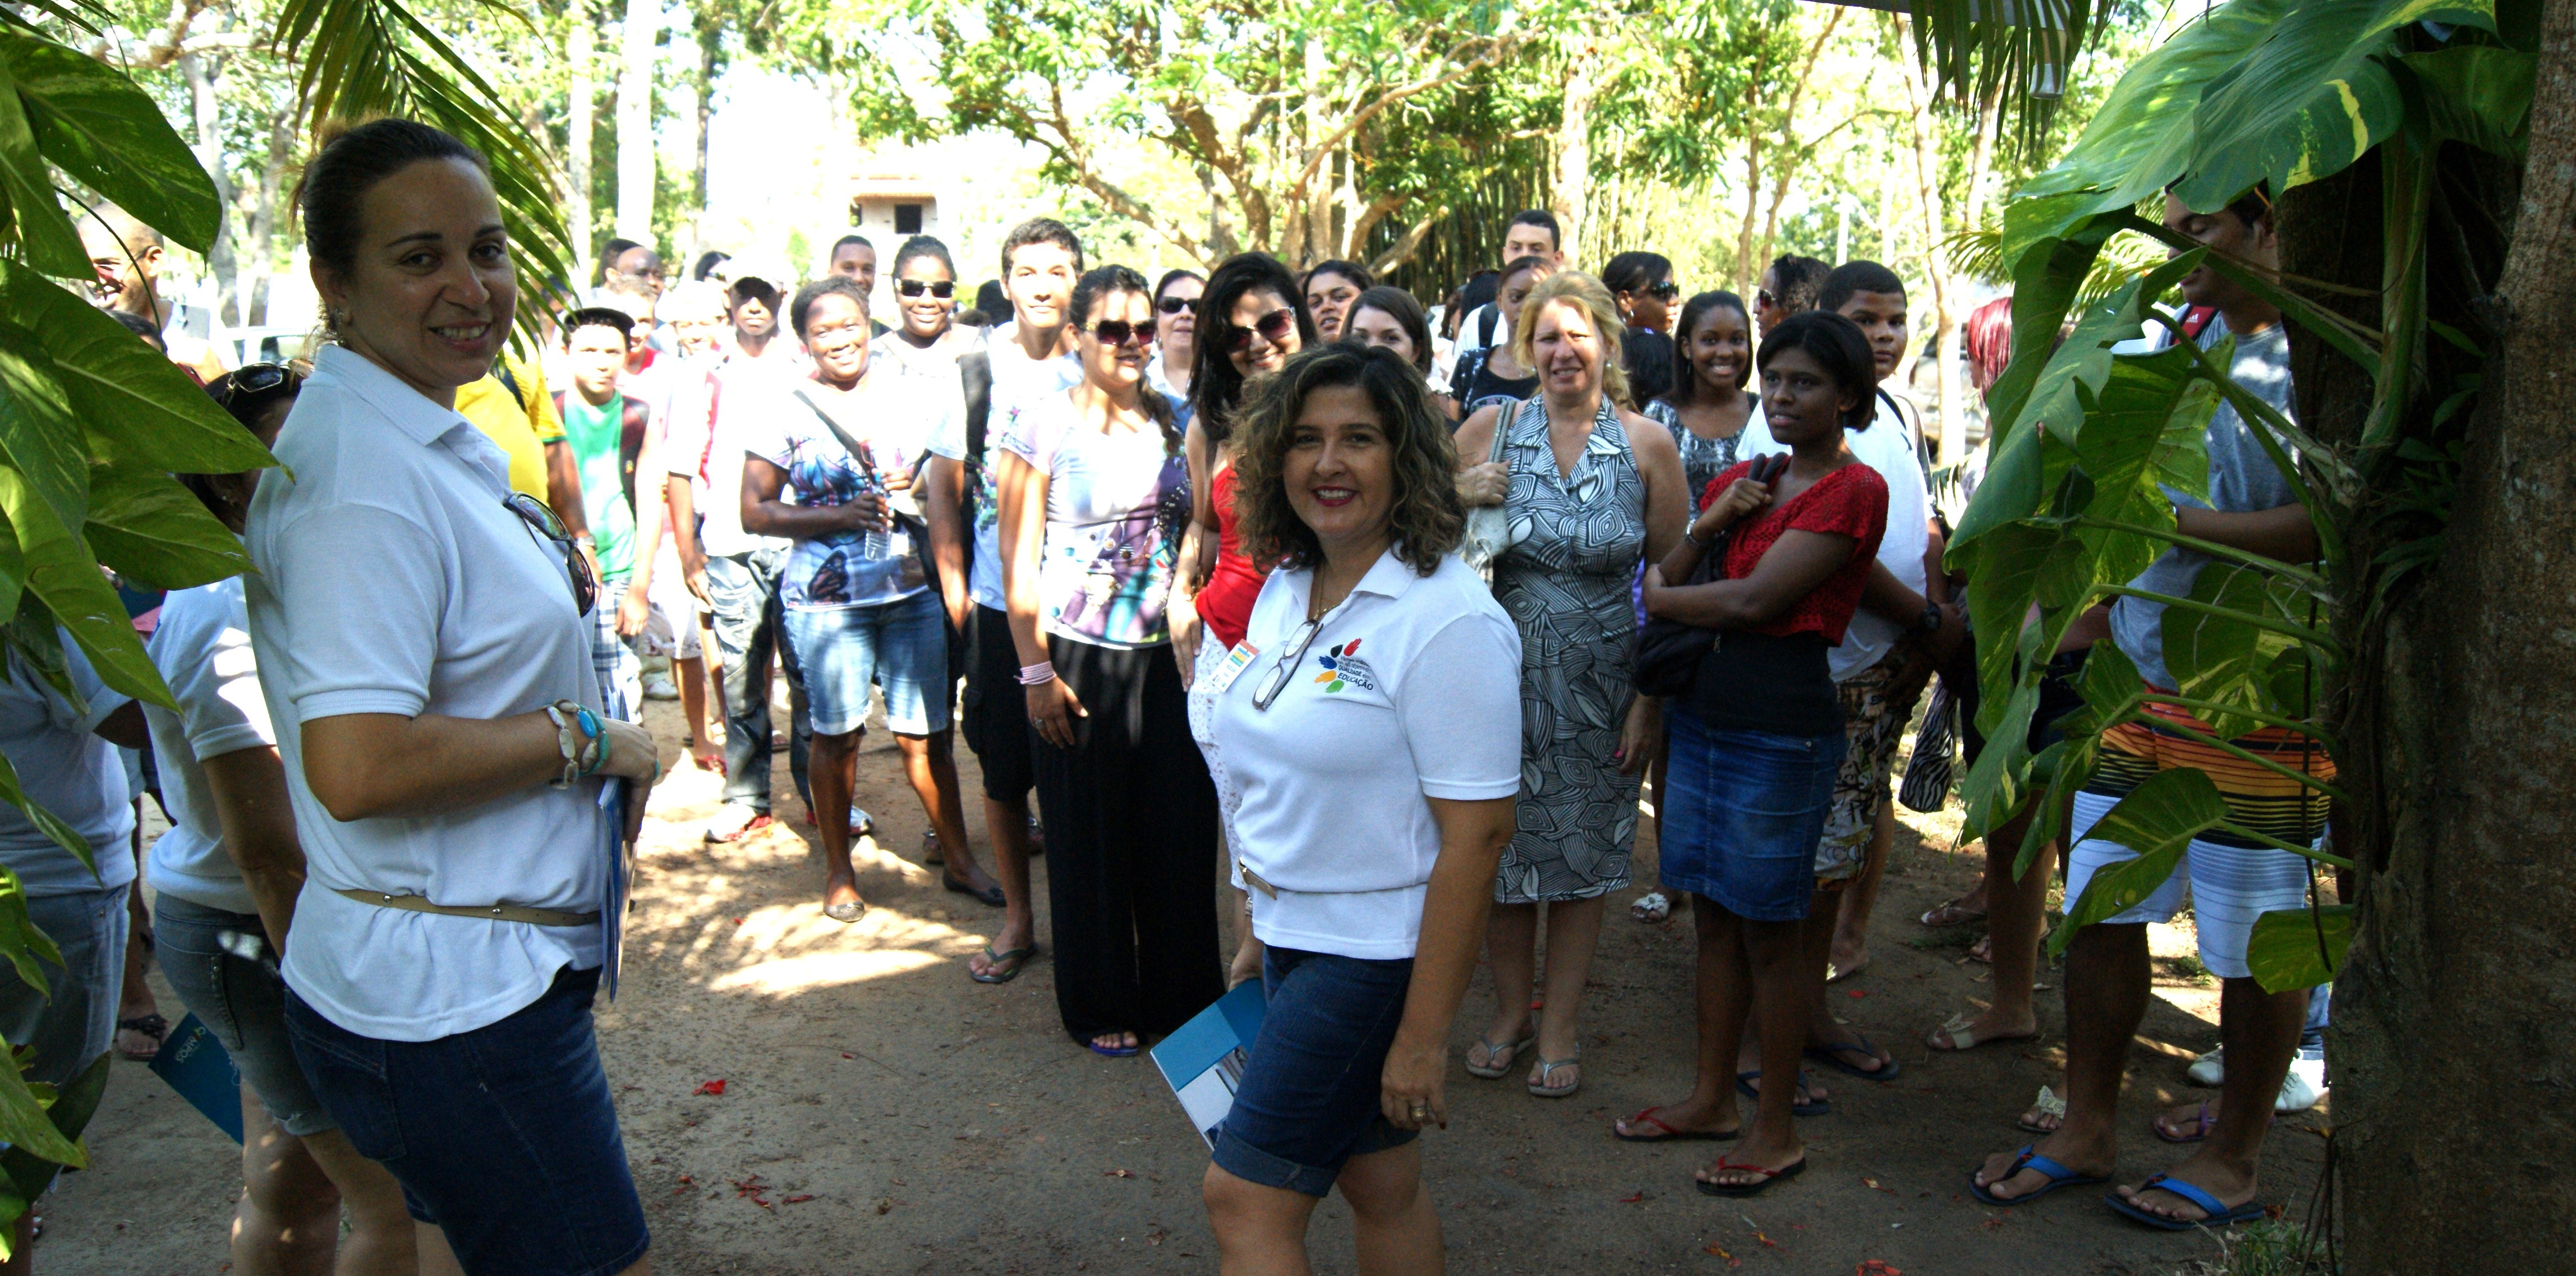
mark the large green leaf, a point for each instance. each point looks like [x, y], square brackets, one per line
[39, 436]
[63, 573]
[43, 234]
[2476, 94]
[14, 926]
[2292, 948]
[2157, 820]
[152, 530]
[99, 126]
[2311, 99]
[2222, 658]
[140, 409]
[25, 1123]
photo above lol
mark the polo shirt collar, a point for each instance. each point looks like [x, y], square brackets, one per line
[411, 412]
[1389, 577]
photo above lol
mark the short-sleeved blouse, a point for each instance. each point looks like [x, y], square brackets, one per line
[1116, 504]
[1851, 501]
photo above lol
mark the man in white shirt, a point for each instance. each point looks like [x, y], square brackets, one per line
[1533, 232]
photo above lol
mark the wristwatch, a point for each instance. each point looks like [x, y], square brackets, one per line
[1930, 620]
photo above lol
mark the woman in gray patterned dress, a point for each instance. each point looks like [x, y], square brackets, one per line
[1706, 413]
[1591, 489]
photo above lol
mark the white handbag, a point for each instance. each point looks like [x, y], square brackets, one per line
[1489, 527]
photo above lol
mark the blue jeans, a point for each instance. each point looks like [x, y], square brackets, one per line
[1742, 812]
[1308, 1100]
[504, 1136]
[742, 590]
[220, 964]
[77, 1023]
[901, 646]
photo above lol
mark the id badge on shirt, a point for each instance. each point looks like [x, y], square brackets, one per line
[1236, 661]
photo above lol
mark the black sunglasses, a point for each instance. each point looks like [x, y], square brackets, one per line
[1118, 332]
[942, 289]
[1762, 297]
[250, 382]
[1665, 291]
[1175, 305]
[541, 519]
[1273, 327]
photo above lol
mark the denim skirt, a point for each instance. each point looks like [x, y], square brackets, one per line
[1742, 813]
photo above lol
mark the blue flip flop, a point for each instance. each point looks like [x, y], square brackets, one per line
[1820, 1107]
[1113, 1052]
[2058, 1176]
[1831, 1057]
[2217, 1215]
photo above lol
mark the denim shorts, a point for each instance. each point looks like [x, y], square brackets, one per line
[1742, 813]
[1308, 1099]
[77, 1023]
[901, 646]
[220, 964]
[504, 1136]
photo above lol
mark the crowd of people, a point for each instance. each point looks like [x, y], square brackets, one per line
[1397, 622]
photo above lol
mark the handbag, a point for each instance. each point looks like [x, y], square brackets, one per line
[1669, 651]
[1927, 773]
[1489, 527]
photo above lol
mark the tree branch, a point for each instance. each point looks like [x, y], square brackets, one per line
[1494, 52]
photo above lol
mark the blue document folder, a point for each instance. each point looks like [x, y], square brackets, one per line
[202, 1071]
[1204, 1061]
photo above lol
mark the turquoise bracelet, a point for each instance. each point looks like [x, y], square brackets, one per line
[598, 737]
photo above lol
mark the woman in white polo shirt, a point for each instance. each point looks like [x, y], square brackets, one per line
[1371, 720]
[424, 652]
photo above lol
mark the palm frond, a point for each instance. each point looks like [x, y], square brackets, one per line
[1979, 254]
[2028, 47]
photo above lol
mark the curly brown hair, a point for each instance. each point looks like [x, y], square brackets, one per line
[1427, 520]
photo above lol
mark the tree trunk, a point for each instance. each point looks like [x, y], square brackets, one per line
[1569, 195]
[263, 222]
[581, 52]
[1925, 128]
[223, 265]
[710, 49]
[635, 122]
[2454, 1043]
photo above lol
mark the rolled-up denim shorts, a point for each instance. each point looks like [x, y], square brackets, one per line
[505, 1136]
[1308, 1099]
[77, 1022]
[901, 646]
[220, 964]
[1742, 812]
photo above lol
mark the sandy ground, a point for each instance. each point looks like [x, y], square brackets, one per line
[882, 1113]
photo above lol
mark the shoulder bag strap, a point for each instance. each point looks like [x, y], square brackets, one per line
[975, 373]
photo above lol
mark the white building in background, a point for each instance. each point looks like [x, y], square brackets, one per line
[890, 206]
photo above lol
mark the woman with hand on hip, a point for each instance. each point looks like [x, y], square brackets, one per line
[424, 649]
[1377, 675]
[1592, 491]
[1256, 320]
[1756, 743]
[1093, 496]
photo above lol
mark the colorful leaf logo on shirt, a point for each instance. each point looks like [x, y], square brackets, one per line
[1342, 667]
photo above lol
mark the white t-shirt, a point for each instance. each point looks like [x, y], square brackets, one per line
[706, 443]
[392, 579]
[1410, 689]
[66, 769]
[1116, 506]
[1887, 446]
[203, 650]
[1016, 377]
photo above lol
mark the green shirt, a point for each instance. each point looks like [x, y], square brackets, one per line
[594, 434]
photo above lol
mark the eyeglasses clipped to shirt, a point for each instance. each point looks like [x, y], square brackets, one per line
[541, 521]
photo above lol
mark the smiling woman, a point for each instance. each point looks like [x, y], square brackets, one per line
[428, 628]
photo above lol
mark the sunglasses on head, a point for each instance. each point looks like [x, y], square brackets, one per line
[541, 519]
[1273, 327]
[1118, 332]
[1175, 305]
[942, 289]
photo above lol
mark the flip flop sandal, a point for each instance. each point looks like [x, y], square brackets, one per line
[1831, 1057]
[2200, 1123]
[1113, 1052]
[1755, 1188]
[153, 1026]
[2047, 1104]
[1813, 1108]
[930, 853]
[1669, 1134]
[846, 913]
[1017, 957]
[1948, 913]
[1651, 907]
[1499, 1056]
[2217, 1215]
[2057, 1174]
[1836, 973]
[1547, 1066]
[990, 896]
[1960, 1029]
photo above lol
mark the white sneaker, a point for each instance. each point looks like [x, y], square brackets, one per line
[2303, 1087]
[659, 687]
[861, 823]
[2209, 1069]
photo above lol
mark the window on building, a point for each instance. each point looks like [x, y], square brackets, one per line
[907, 219]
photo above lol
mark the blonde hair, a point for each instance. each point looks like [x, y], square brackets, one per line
[1589, 293]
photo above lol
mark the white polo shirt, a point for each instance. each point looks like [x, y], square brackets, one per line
[1887, 446]
[64, 767]
[1017, 378]
[1411, 689]
[392, 580]
[202, 648]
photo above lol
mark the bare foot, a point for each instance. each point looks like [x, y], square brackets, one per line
[1999, 1180]
[1749, 1165]
[1966, 1032]
[2232, 1187]
[1119, 1041]
[1011, 940]
[1678, 1120]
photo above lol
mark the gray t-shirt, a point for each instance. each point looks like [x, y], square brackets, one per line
[2242, 479]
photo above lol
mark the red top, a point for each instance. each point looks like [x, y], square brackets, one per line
[1226, 603]
[1851, 501]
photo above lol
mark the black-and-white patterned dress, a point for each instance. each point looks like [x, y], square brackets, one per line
[1576, 543]
[1702, 459]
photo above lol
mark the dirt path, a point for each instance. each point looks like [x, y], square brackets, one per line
[882, 1113]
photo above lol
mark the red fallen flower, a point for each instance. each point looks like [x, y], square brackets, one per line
[1633, 1198]
[715, 1087]
[800, 1199]
[1876, 1267]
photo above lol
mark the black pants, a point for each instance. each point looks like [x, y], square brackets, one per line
[1131, 823]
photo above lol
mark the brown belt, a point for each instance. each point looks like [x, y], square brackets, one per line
[488, 912]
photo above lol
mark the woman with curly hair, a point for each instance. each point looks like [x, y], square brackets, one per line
[1377, 674]
[1093, 496]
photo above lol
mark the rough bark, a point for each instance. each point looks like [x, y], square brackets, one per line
[2454, 1043]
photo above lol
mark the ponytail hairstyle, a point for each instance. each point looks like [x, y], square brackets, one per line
[1109, 281]
[1215, 386]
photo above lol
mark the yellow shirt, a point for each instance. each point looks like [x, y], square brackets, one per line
[523, 427]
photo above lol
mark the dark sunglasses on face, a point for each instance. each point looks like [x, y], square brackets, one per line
[1665, 291]
[541, 519]
[1118, 332]
[942, 289]
[1762, 297]
[1273, 327]
[1175, 305]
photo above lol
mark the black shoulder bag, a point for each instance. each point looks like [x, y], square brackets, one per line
[1669, 651]
[912, 525]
